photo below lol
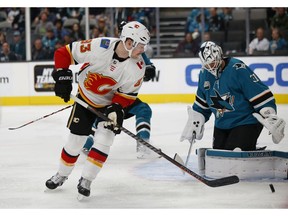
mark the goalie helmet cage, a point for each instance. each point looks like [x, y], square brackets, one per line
[209, 182]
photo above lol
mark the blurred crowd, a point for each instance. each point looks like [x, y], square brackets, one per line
[56, 27]
[268, 37]
[52, 28]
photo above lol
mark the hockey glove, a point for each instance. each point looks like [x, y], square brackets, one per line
[63, 85]
[272, 122]
[150, 72]
[115, 113]
[195, 124]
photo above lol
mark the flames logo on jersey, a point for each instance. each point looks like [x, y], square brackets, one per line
[99, 84]
[138, 83]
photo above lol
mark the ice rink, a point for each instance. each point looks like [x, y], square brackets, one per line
[30, 155]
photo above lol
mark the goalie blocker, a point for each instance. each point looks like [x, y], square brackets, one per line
[215, 163]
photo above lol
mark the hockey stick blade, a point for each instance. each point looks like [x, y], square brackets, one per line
[211, 183]
[45, 116]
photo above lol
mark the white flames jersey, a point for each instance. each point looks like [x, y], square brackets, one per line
[102, 78]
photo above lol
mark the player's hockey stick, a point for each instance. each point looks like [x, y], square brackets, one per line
[45, 116]
[211, 183]
[189, 151]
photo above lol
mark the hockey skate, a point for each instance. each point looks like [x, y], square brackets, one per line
[55, 181]
[83, 188]
[144, 152]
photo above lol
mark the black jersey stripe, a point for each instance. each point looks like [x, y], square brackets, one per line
[262, 98]
[201, 102]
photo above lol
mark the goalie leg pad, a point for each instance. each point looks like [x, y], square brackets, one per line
[201, 160]
[246, 164]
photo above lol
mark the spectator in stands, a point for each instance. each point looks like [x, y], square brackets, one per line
[76, 13]
[280, 19]
[43, 24]
[2, 39]
[66, 39]
[95, 32]
[76, 33]
[19, 21]
[38, 52]
[12, 14]
[59, 30]
[138, 14]
[6, 55]
[226, 14]
[260, 43]
[194, 21]
[49, 41]
[18, 46]
[215, 21]
[102, 27]
[51, 14]
[277, 42]
[3, 15]
[207, 36]
[187, 47]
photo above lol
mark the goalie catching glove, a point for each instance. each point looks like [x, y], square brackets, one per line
[63, 85]
[194, 125]
[272, 122]
[115, 113]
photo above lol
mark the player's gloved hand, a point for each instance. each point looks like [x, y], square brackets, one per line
[195, 124]
[272, 122]
[150, 72]
[115, 113]
[63, 85]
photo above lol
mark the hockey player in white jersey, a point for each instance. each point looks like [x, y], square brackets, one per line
[109, 80]
[230, 90]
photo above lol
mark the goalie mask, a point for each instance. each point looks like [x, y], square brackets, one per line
[136, 32]
[211, 56]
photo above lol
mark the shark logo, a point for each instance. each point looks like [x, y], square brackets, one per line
[239, 65]
[222, 103]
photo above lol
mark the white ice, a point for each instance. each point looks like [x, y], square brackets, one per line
[30, 155]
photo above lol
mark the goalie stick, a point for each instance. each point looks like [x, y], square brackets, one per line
[190, 147]
[211, 183]
[45, 116]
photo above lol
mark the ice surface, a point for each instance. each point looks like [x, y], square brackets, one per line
[30, 155]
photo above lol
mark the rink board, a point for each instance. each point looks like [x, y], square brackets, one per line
[31, 83]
